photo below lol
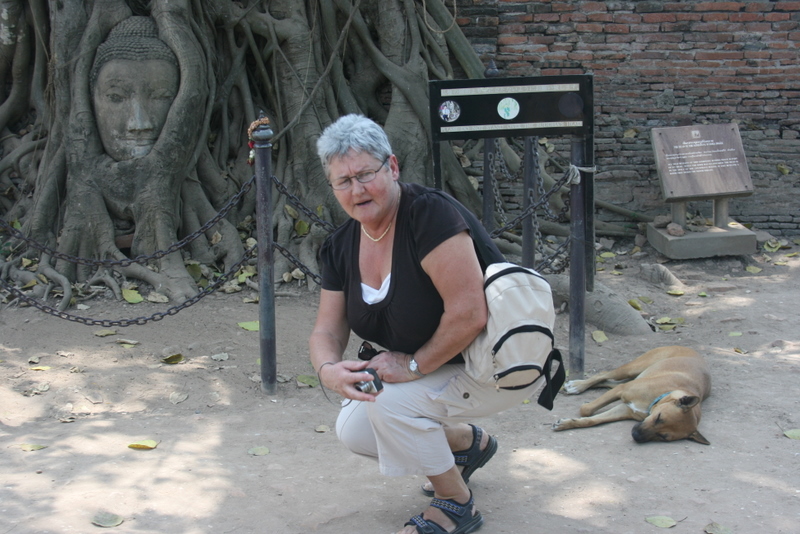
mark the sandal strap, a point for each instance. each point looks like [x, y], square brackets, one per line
[423, 527]
[466, 456]
[454, 510]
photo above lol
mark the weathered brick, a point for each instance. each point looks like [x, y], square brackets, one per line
[719, 6]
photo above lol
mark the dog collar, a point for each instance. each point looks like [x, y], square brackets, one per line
[656, 401]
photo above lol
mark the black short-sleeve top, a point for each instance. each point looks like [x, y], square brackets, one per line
[410, 313]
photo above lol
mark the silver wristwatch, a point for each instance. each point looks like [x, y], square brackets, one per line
[414, 368]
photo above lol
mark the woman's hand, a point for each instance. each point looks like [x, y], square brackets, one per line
[341, 377]
[392, 367]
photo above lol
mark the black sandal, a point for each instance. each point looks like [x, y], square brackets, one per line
[460, 514]
[473, 458]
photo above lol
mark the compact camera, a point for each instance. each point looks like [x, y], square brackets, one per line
[370, 386]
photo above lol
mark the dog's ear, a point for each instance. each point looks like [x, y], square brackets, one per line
[698, 437]
[688, 401]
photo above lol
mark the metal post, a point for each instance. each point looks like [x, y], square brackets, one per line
[577, 269]
[436, 152]
[530, 179]
[488, 185]
[262, 138]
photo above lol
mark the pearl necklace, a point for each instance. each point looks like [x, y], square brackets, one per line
[375, 240]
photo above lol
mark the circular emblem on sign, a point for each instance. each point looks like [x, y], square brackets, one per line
[449, 111]
[508, 108]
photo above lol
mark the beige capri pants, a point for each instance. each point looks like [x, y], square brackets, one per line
[404, 428]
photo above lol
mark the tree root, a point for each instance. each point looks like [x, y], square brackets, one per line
[604, 309]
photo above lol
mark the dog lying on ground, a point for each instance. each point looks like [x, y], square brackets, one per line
[662, 389]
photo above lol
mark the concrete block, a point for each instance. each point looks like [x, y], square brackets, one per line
[735, 240]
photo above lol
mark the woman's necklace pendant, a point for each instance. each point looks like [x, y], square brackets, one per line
[376, 239]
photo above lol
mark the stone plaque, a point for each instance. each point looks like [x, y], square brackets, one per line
[700, 162]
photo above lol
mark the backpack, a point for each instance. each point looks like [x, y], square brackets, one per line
[516, 347]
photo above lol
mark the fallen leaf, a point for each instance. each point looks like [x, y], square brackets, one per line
[734, 334]
[132, 296]
[173, 359]
[157, 297]
[608, 255]
[195, 271]
[301, 227]
[40, 368]
[646, 300]
[792, 255]
[144, 445]
[216, 238]
[661, 521]
[675, 292]
[258, 451]
[30, 447]
[221, 357]
[526, 401]
[309, 380]
[702, 294]
[664, 320]
[793, 433]
[177, 397]
[104, 333]
[297, 274]
[753, 269]
[716, 528]
[107, 520]
[616, 273]
[599, 336]
[290, 211]
[322, 429]
[251, 326]
[739, 351]
[130, 342]
[635, 304]
[30, 284]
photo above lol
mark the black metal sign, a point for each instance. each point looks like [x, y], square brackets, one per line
[503, 107]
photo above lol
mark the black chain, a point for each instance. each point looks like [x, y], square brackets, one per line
[533, 206]
[107, 323]
[139, 259]
[297, 203]
[292, 258]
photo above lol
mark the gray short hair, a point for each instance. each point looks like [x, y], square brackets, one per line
[352, 132]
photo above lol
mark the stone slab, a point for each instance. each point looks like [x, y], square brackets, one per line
[735, 240]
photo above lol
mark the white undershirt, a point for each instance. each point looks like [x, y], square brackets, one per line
[372, 295]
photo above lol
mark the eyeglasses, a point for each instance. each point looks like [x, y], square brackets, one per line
[340, 184]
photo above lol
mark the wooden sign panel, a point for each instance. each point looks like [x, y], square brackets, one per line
[702, 161]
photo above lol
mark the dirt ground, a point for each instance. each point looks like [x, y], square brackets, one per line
[93, 397]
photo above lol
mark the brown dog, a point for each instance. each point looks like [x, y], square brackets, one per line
[662, 388]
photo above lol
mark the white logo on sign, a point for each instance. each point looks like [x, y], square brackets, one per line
[508, 108]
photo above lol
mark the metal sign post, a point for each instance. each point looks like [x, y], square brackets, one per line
[531, 107]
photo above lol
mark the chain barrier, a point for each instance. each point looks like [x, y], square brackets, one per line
[139, 259]
[548, 260]
[297, 203]
[108, 323]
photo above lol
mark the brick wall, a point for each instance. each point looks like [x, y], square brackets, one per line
[659, 64]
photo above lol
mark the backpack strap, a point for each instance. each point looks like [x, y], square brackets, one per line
[487, 251]
[552, 386]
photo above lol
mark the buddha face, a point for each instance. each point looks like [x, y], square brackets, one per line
[131, 101]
